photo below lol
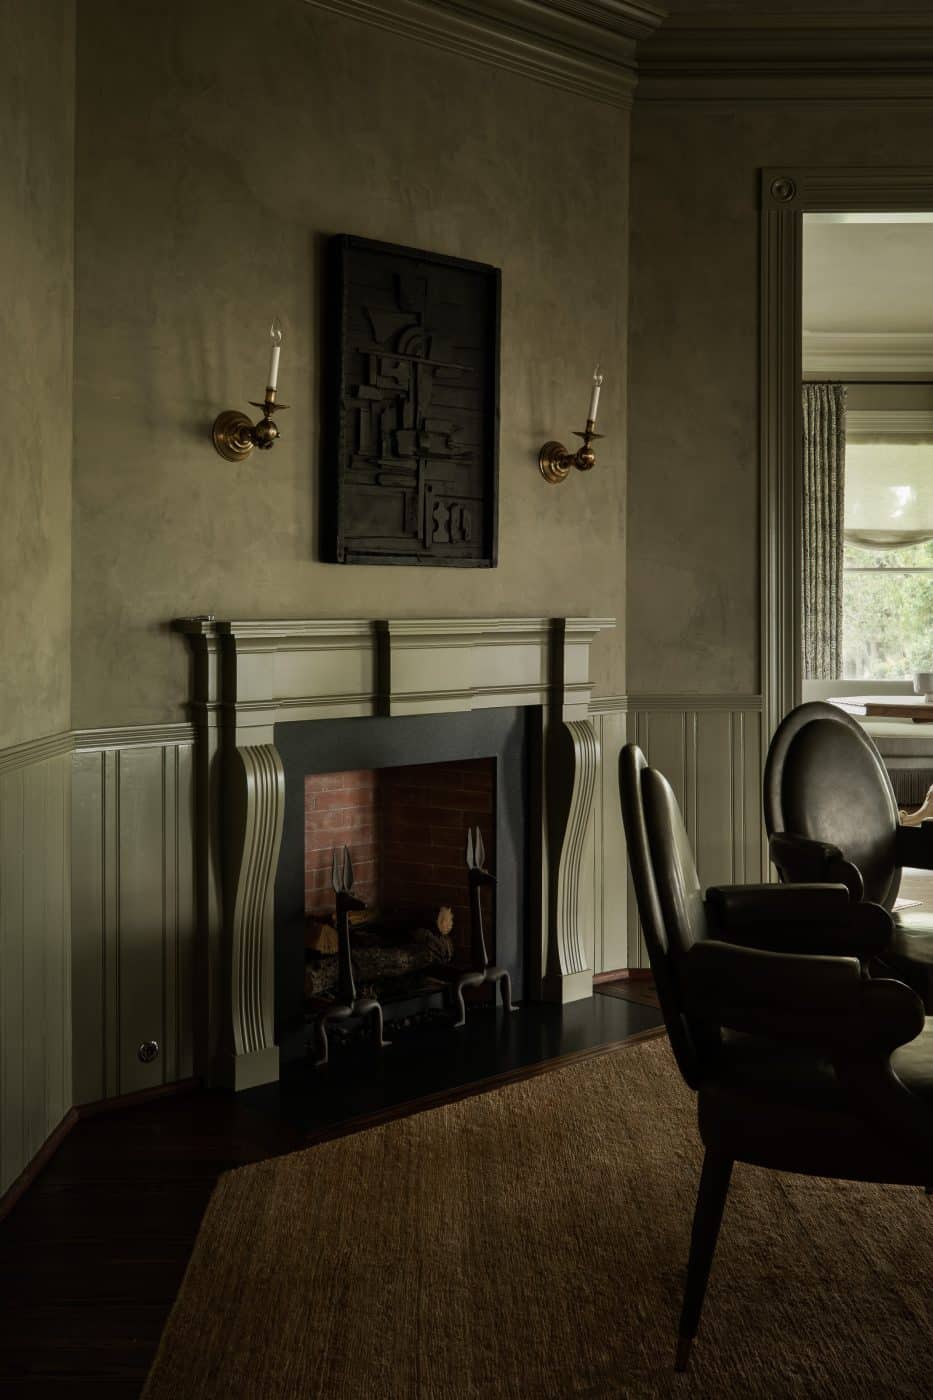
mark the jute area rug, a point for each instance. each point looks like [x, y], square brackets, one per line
[531, 1242]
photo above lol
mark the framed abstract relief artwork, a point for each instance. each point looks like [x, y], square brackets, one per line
[410, 467]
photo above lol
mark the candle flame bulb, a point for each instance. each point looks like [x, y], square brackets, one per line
[594, 396]
[275, 335]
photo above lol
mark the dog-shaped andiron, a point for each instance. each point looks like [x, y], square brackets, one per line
[483, 969]
[346, 1001]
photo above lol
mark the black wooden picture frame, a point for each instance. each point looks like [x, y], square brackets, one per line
[410, 469]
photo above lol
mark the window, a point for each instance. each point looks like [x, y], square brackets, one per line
[888, 563]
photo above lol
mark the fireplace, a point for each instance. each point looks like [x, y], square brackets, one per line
[275, 701]
[405, 831]
[400, 793]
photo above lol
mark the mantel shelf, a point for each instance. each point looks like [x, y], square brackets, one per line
[273, 670]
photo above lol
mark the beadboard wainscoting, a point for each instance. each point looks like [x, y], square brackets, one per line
[133, 908]
[35, 952]
[119, 805]
[710, 749]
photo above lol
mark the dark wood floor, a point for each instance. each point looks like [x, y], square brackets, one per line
[92, 1256]
[638, 989]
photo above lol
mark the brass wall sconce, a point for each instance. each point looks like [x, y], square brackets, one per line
[234, 435]
[554, 460]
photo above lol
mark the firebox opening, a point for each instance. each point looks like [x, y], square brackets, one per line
[429, 752]
[405, 828]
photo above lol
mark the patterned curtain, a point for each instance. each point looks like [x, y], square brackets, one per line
[824, 479]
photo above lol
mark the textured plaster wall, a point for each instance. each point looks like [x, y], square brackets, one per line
[36, 274]
[693, 552]
[36, 334]
[211, 166]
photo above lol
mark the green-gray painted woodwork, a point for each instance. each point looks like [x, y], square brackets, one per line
[251, 674]
[610, 948]
[169, 172]
[133, 914]
[710, 749]
[591, 52]
[35, 952]
[254, 803]
[123, 824]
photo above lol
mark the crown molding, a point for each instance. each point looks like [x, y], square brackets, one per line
[849, 353]
[587, 47]
[816, 56]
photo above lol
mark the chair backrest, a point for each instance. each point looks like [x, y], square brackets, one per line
[668, 892]
[825, 780]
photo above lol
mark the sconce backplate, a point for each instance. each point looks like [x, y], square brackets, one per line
[554, 462]
[232, 435]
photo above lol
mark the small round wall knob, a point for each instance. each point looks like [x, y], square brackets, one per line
[148, 1051]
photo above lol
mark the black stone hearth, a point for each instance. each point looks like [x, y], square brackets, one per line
[333, 746]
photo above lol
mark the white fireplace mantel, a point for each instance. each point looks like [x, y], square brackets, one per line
[250, 675]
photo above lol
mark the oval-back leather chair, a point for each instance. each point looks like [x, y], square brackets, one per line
[831, 815]
[800, 1062]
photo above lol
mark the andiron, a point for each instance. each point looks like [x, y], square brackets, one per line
[483, 970]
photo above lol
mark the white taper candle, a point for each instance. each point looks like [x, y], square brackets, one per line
[275, 331]
[594, 396]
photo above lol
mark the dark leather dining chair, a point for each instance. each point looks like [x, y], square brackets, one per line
[831, 815]
[800, 1062]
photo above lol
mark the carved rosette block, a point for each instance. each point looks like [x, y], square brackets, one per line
[574, 776]
[255, 799]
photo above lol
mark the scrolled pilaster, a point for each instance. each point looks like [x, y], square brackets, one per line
[255, 800]
[574, 771]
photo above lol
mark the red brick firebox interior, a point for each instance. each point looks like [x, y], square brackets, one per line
[406, 830]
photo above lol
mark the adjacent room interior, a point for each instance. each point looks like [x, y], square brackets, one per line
[466, 722]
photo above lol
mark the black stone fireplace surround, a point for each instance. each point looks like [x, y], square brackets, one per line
[333, 746]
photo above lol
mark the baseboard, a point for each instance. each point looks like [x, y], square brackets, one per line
[623, 974]
[42, 1158]
[77, 1114]
[96, 1107]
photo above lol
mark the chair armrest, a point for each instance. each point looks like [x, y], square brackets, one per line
[738, 904]
[802, 919]
[722, 979]
[914, 845]
[801, 861]
[822, 1001]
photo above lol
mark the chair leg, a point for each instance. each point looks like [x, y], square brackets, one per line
[321, 1035]
[711, 1200]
